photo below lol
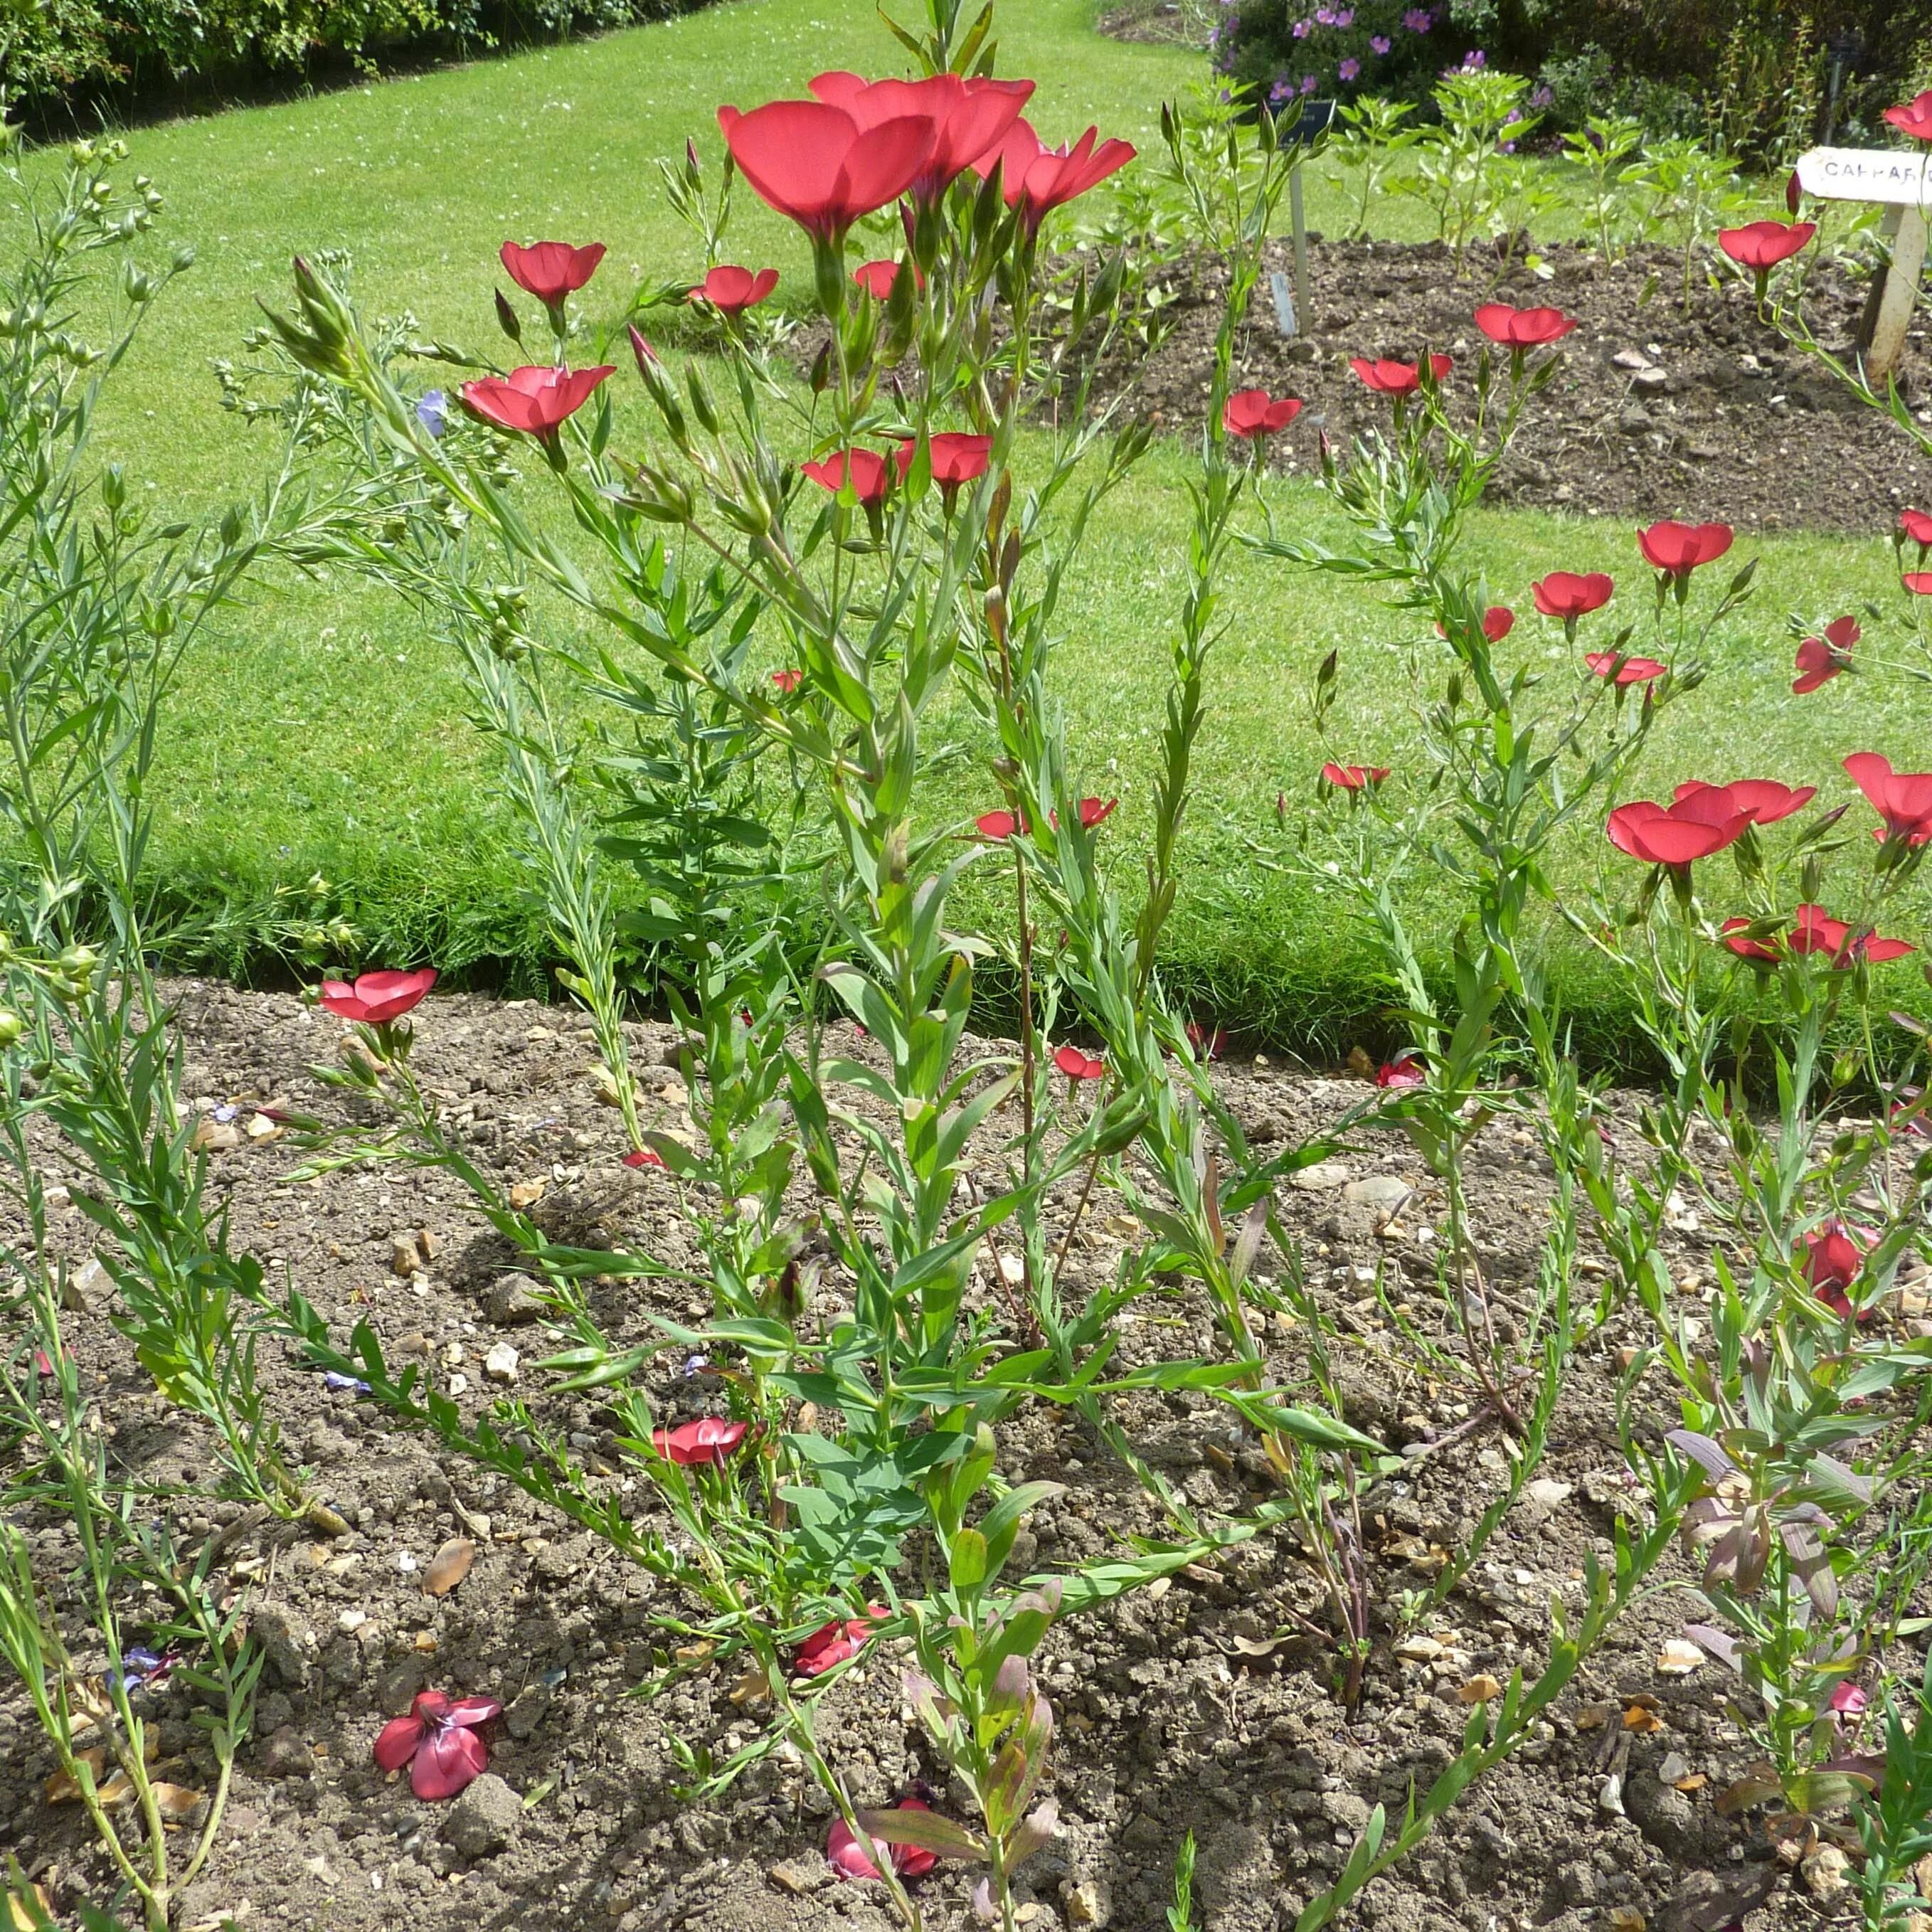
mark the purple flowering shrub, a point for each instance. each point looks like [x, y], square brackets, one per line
[1327, 52]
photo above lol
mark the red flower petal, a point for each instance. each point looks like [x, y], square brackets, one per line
[396, 1742]
[447, 1761]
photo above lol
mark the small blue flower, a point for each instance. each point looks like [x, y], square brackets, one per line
[342, 1384]
[433, 413]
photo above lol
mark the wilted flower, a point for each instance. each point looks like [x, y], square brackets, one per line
[1820, 659]
[1678, 549]
[432, 412]
[787, 681]
[377, 998]
[1405, 1070]
[1624, 670]
[731, 290]
[533, 400]
[1914, 118]
[440, 1741]
[1077, 1066]
[1903, 799]
[842, 1853]
[1832, 1260]
[643, 1157]
[709, 1439]
[551, 270]
[1847, 1703]
[833, 1643]
[1210, 1043]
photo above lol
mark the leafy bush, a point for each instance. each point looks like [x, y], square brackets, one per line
[59, 58]
[1759, 73]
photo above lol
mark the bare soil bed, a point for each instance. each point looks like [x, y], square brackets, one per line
[1705, 413]
[1178, 1708]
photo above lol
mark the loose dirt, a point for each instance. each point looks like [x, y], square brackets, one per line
[1661, 409]
[1185, 1709]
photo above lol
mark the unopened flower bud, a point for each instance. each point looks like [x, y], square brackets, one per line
[11, 1027]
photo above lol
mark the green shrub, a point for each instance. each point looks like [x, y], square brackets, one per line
[65, 60]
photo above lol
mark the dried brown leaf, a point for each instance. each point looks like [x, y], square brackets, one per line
[449, 1566]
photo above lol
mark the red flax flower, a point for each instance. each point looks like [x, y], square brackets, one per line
[1820, 659]
[551, 270]
[1815, 933]
[1398, 379]
[1624, 670]
[1352, 777]
[866, 468]
[787, 681]
[1914, 118]
[1918, 582]
[1564, 594]
[1498, 620]
[1405, 1070]
[1760, 246]
[969, 117]
[1686, 830]
[1523, 328]
[1037, 179]
[877, 278]
[533, 400]
[1678, 549]
[1093, 811]
[1077, 1066]
[1918, 526]
[818, 165]
[1210, 1042]
[998, 825]
[843, 1854]
[1903, 799]
[377, 998]
[833, 1643]
[731, 290]
[1759, 951]
[1252, 412]
[709, 1439]
[439, 1741]
[957, 458]
[1832, 1259]
[643, 1157]
[1764, 801]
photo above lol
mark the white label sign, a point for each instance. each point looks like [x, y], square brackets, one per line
[1868, 174]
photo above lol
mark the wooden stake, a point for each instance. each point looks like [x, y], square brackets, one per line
[1900, 294]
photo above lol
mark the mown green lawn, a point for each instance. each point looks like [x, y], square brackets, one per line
[323, 734]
